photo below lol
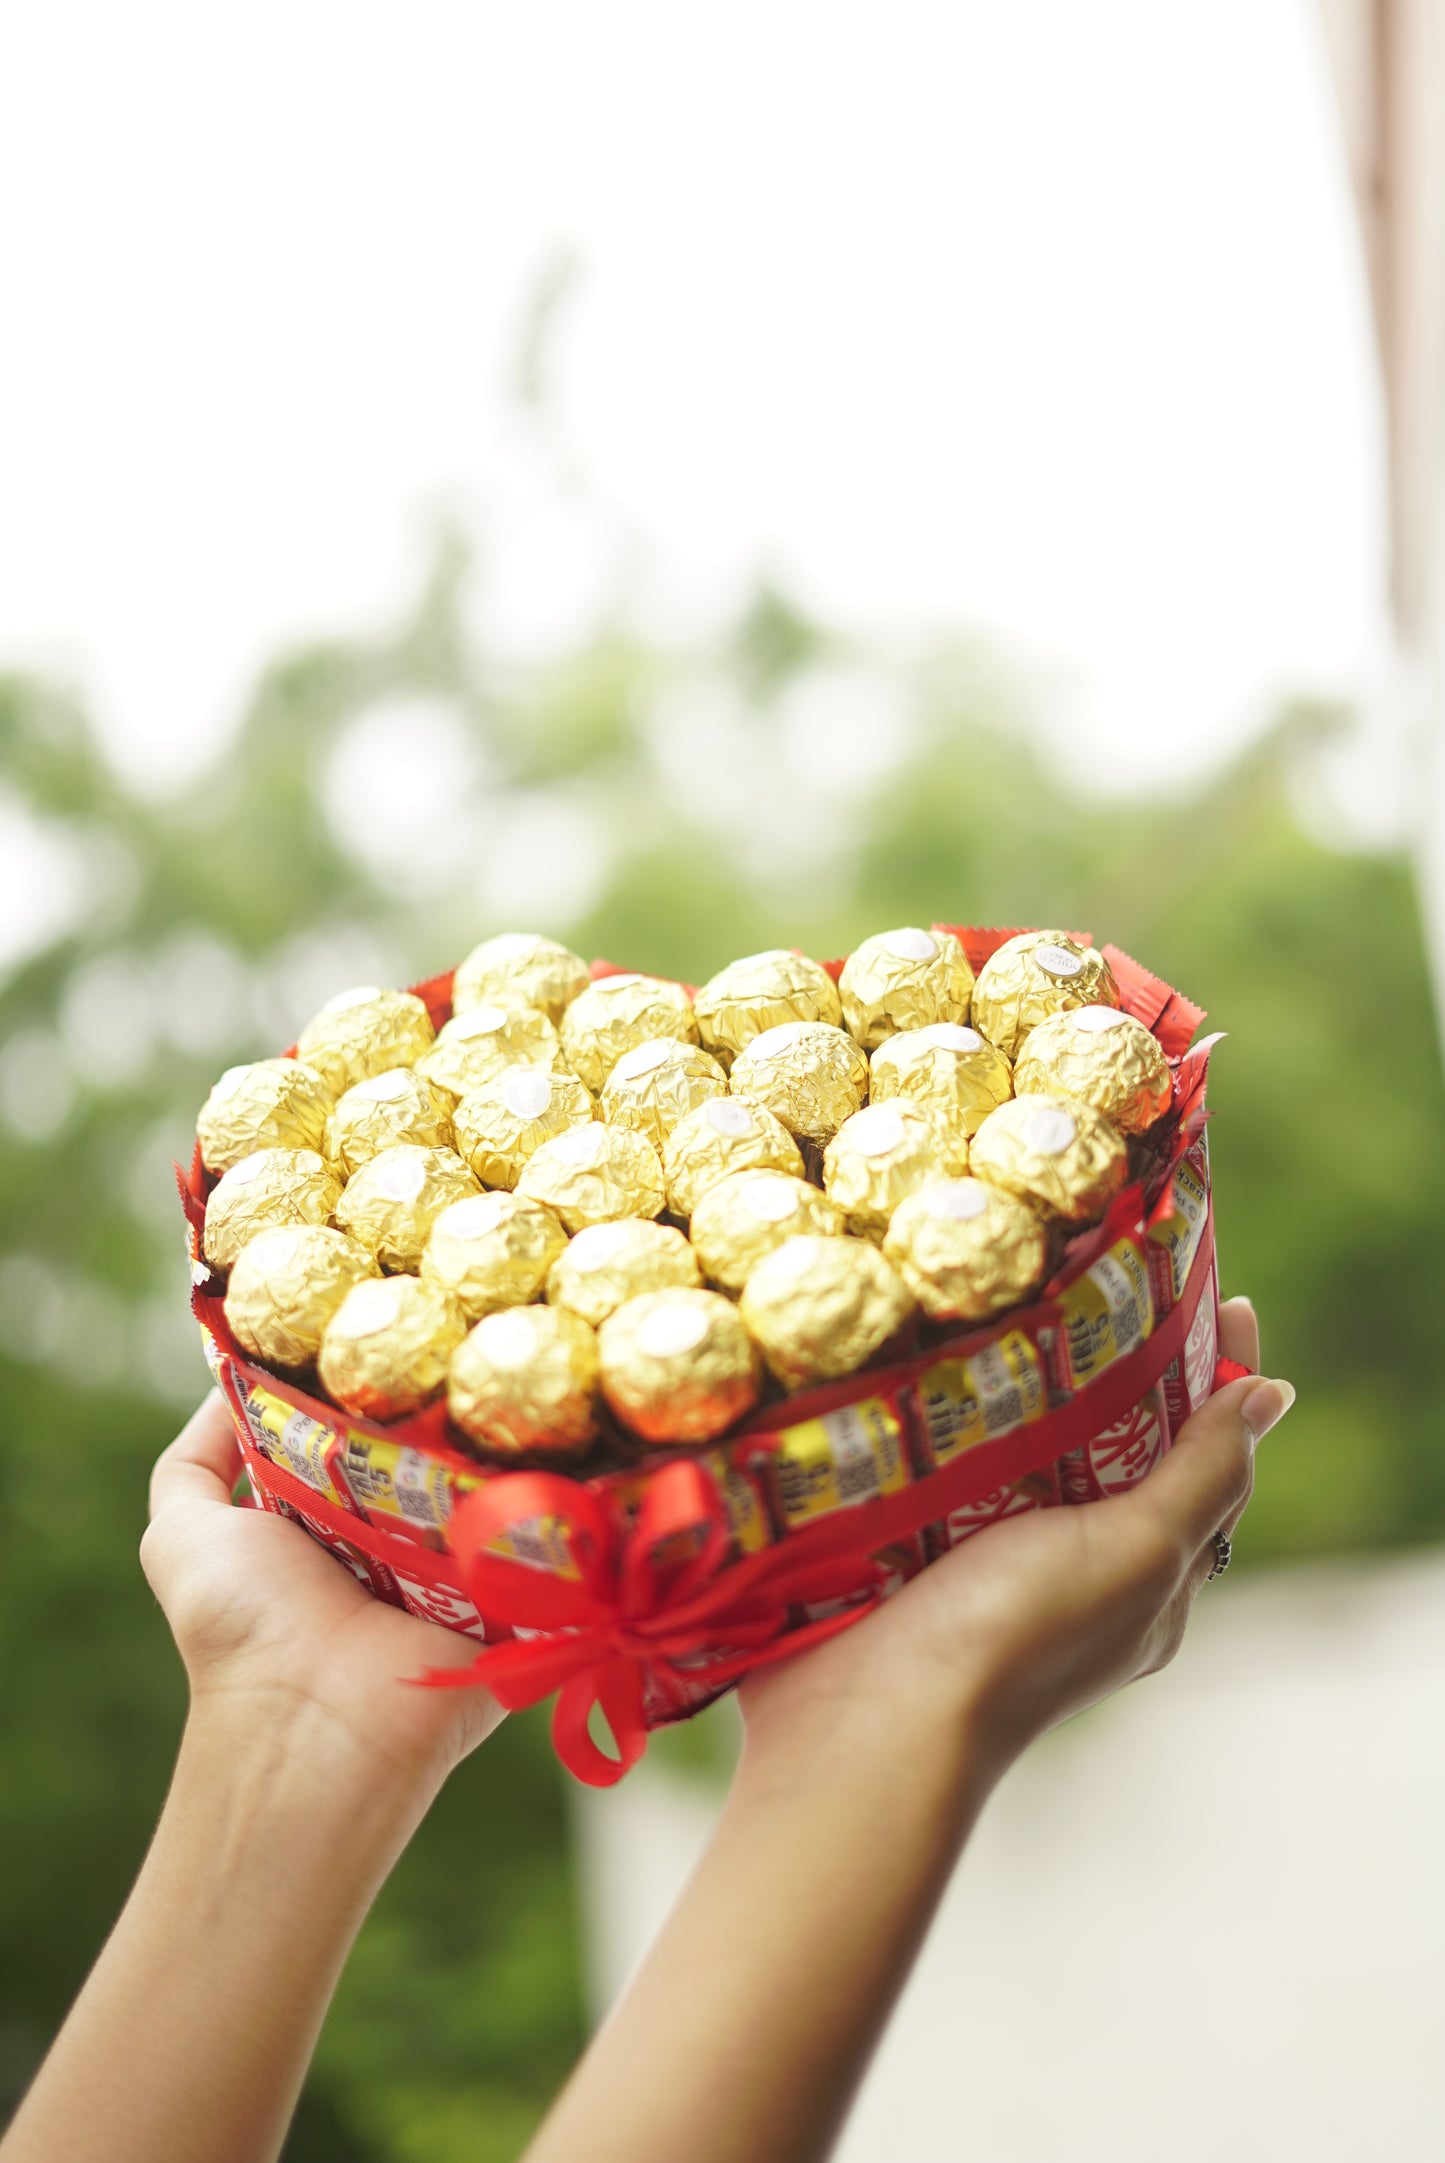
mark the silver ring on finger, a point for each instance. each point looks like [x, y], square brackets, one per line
[1223, 1555]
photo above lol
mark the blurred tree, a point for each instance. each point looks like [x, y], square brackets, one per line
[386, 802]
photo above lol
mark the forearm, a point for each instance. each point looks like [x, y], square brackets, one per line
[191, 2037]
[752, 2021]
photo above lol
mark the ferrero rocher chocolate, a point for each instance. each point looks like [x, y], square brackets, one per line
[678, 1366]
[1103, 1057]
[881, 1154]
[904, 979]
[526, 1380]
[592, 1174]
[821, 1308]
[491, 1251]
[501, 1125]
[378, 1113]
[364, 1032]
[520, 968]
[807, 1074]
[474, 1047]
[656, 1084]
[386, 1349]
[609, 1264]
[947, 1068]
[761, 992]
[726, 1135]
[1033, 976]
[272, 1186]
[286, 1284]
[745, 1216]
[966, 1250]
[1053, 1152]
[271, 1104]
[615, 1014]
[394, 1200]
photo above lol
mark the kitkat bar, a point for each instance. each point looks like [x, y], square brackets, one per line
[1036, 1491]
[1176, 1231]
[1119, 1456]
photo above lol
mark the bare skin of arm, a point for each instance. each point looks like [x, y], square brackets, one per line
[865, 1766]
[303, 1772]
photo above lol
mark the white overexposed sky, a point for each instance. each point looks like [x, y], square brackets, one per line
[1041, 318]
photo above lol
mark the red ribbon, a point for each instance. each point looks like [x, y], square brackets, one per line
[663, 1595]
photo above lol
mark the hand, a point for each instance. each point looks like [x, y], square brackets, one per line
[1044, 1613]
[271, 1627]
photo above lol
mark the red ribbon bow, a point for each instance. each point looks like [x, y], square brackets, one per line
[655, 1595]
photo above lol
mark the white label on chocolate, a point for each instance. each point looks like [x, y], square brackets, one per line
[1094, 1020]
[249, 1168]
[771, 1198]
[359, 995]
[580, 1147]
[513, 945]
[475, 1215]
[399, 1174]
[385, 1088]
[910, 944]
[1049, 1129]
[510, 1339]
[477, 1021]
[527, 1093]
[671, 1330]
[1058, 961]
[726, 1116]
[369, 1308]
[875, 1131]
[645, 1058]
[599, 1244]
[229, 1082]
[608, 984]
[774, 1042]
[960, 1199]
[794, 1258]
[950, 1036]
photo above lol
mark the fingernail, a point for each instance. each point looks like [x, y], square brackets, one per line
[1264, 1407]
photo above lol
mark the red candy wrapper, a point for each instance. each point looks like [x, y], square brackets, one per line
[650, 1589]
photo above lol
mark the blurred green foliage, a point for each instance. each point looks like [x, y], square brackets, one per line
[386, 802]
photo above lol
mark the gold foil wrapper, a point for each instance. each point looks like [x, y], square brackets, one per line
[1033, 976]
[492, 1251]
[904, 979]
[384, 1111]
[1053, 1152]
[272, 1186]
[520, 968]
[286, 1284]
[1103, 1057]
[500, 1126]
[742, 1218]
[363, 1032]
[719, 1138]
[762, 991]
[475, 1047]
[394, 1200]
[593, 1174]
[270, 1104]
[881, 1154]
[526, 1381]
[966, 1250]
[617, 1013]
[386, 1349]
[821, 1308]
[608, 1264]
[678, 1366]
[810, 1076]
[656, 1084]
[947, 1068]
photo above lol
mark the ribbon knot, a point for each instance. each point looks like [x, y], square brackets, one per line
[599, 1605]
